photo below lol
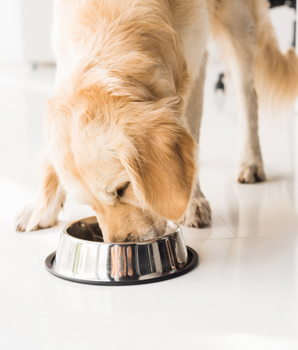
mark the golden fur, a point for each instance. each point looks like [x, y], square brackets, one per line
[123, 124]
[275, 73]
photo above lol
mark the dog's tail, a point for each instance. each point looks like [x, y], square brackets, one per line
[276, 74]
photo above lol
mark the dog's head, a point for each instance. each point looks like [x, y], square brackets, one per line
[131, 161]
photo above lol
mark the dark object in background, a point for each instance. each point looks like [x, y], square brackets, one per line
[290, 3]
[220, 84]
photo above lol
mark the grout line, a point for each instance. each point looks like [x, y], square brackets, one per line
[225, 223]
[285, 320]
[25, 249]
[240, 238]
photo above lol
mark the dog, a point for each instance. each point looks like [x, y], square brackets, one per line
[123, 124]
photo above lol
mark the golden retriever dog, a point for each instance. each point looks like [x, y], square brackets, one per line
[123, 124]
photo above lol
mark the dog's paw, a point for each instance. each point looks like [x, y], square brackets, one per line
[24, 217]
[248, 174]
[31, 220]
[198, 213]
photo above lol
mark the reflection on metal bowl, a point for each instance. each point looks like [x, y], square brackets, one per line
[82, 256]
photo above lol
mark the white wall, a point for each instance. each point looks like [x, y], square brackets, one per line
[37, 18]
[11, 37]
[25, 31]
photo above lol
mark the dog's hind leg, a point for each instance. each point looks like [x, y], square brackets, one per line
[235, 27]
[198, 212]
[43, 212]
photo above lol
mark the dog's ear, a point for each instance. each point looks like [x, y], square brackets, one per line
[160, 161]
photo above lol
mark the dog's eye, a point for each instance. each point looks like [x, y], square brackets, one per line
[121, 191]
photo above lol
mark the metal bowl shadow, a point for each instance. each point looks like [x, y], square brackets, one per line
[83, 257]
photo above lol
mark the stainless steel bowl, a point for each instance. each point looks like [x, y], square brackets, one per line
[82, 256]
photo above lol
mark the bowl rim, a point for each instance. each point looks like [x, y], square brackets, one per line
[69, 224]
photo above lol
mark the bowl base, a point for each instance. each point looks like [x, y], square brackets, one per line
[192, 262]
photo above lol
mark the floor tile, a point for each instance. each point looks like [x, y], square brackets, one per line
[289, 310]
[257, 326]
[246, 269]
[217, 230]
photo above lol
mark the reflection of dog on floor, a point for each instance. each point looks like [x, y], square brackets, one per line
[124, 122]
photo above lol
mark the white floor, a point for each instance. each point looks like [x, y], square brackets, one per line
[244, 293]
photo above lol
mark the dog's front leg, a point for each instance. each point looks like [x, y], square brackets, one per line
[43, 211]
[198, 212]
